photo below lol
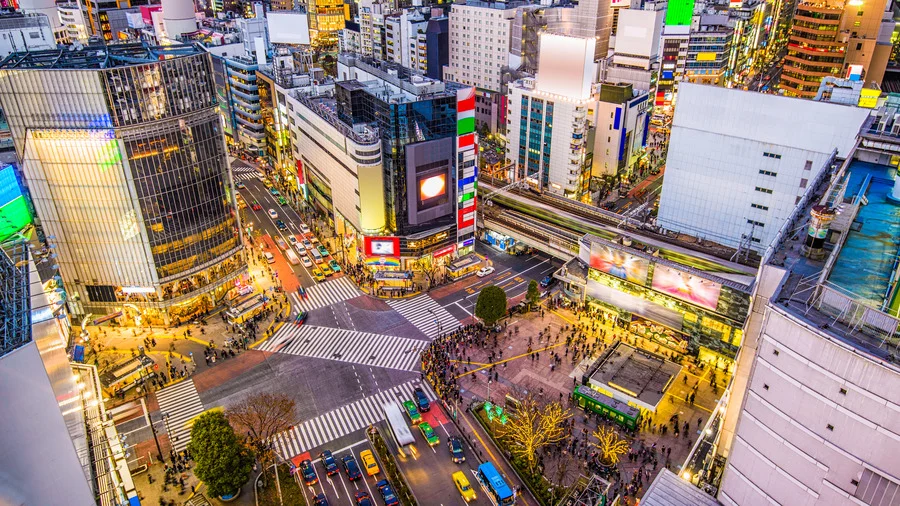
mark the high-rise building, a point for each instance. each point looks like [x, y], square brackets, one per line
[836, 38]
[326, 19]
[123, 154]
[72, 17]
[708, 51]
[437, 47]
[738, 161]
[635, 59]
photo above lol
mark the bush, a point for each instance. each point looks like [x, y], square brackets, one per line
[491, 304]
[290, 489]
[398, 482]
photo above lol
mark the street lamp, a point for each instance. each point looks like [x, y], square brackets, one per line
[489, 389]
[156, 439]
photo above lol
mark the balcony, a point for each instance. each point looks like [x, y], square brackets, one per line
[248, 87]
[816, 21]
[243, 64]
[257, 127]
[246, 97]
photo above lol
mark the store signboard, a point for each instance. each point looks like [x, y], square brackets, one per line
[466, 165]
[382, 246]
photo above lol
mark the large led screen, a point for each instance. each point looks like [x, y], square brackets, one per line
[619, 264]
[687, 287]
[432, 191]
[14, 213]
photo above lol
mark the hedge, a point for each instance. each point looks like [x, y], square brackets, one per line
[398, 482]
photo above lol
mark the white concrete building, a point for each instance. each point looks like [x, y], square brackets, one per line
[401, 34]
[20, 33]
[72, 18]
[738, 162]
[621, 129]
[637, 47]
[479, 43]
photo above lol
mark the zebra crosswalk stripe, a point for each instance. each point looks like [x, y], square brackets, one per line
[327, 293]
[339, 422]
[344, 345]
[425, 314]
[182, 403]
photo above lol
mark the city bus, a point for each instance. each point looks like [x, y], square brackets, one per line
[494, 485]
[246, 310]
[128, 373]
[399, 430]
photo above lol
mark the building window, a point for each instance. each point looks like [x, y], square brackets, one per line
[768, 173]
[759, 206]
[830, 427]
[775, 352]
[772, 155]
[804, 182]
[765, 387]
[757, 223]
[843, 391]
[763, 190]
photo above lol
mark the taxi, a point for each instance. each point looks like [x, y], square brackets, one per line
[368, 462]
[463, 486]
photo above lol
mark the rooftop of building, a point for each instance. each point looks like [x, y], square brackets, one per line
[670, 490]
[494, 5]
[634, 372]
[403, 85]
[851, 294]
[97, 56]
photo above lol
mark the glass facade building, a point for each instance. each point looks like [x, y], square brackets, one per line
[124, 156]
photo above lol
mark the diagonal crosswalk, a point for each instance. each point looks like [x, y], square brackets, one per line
[182, 403]
[326, 294]
[346, 346]
[426, 314]
[339, 422]
[243, 176]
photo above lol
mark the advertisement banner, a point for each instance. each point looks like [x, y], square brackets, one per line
[687, 287]
[619, 264]
[382, 246]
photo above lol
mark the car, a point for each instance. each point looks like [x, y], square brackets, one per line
[334, 266]
[267, 183]
[324, 252]
[280, 243]
[273, 214]
[326, 270]
[328, 461]
[255, 206]
[422, 400]
[462, 484]
[282, 201]
[368, 462]
[351, 468]
[363, 499]
[318, 275]
[313, 239]
[301, 317]
[304, 229]
[306, 244]
[291, 239]
[387, 493]
[412, 412]
[547, 281]
[320, 500]
[429, 434]
[274, 192]
[454, 444]
[308, 473]
[280, 224]
[484, 271]
[306, 262]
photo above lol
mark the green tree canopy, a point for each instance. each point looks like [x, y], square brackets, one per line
[222, 460]
[534, 295]
[491, 304]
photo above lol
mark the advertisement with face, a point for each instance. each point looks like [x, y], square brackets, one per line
[619, 264]
[687, 287]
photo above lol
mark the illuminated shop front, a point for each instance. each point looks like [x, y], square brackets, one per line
[679, 308]
[133, 178]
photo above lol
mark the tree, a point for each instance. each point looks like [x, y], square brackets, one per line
[610, 445]
[430, 269]
[534, 295]
[532, 427]
[262, 417]
[222, 460]
[491, 304]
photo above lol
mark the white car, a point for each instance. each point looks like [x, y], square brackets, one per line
[304, 229]
[280, 242]
[291, 239]
[484, 271]
[273, 214]
[307, 244]
[306, 261]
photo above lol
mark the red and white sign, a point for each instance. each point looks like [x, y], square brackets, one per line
[382, 246]
[444, 251]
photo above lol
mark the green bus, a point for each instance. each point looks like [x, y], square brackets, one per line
[589, 399]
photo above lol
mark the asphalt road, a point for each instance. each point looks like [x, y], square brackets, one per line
[512, 274]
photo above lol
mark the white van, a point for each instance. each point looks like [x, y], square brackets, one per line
[291, 257]
[317, 257]
[270, 258]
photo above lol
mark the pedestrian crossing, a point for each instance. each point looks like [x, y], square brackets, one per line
[426, 314]
[346, 346]
[182, 403]
[326, 294]
[243, 176]
[323, 429]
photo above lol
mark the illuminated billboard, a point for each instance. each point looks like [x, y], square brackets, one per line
[687, 287]
[14, 213]
[618, 263]
[680, 13]
[432, 187]
[382, 246]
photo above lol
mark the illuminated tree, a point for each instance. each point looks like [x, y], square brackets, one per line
[610, 445]
[532, 427]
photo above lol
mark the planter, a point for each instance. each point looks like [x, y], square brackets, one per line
[231, 497]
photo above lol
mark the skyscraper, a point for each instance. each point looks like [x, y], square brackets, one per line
[123, 153]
